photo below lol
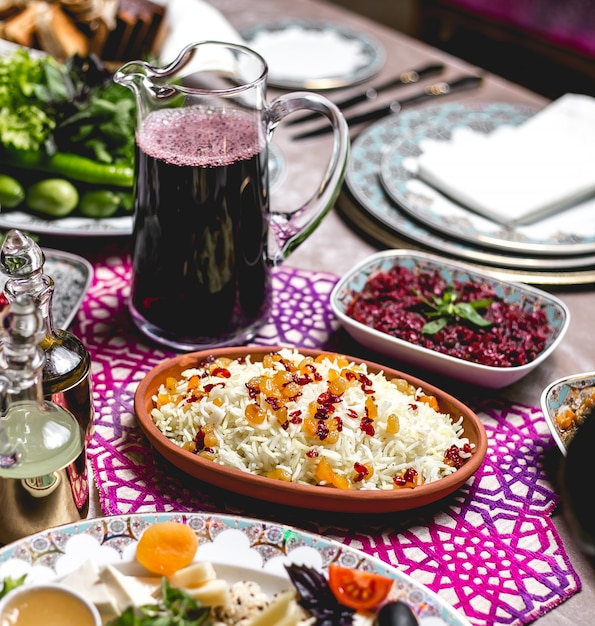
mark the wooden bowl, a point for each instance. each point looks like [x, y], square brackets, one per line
[305, 496]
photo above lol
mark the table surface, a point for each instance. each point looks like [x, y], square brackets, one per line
[336, 246]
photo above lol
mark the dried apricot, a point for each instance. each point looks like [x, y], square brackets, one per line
[166, 547]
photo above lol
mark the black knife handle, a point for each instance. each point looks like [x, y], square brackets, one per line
[441, 88]
[436, 90]
[409, 77]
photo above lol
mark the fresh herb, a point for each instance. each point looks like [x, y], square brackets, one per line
[71, 108]
[175, 608]
[8, 584]
[445, 308]
[316, 597]
[102, 125]
[31, 90]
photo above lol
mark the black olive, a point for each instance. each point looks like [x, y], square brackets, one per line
[396, 614]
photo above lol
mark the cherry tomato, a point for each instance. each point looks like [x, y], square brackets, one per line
[362, 591]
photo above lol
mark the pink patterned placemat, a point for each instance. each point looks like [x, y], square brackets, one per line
[491, 550]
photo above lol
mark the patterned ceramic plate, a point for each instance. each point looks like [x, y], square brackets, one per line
[525, 297]
[568, 232]
[239, 548]
[566, 403]
[315, 55]
[364, 184]
[72, 276]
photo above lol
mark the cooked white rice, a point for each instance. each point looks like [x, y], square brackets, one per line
[423, 437]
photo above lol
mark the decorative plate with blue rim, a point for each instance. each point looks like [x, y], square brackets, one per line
[567, 232]
[363, 181]
[239, 548]
[303, 54]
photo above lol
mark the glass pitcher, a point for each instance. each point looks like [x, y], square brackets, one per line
[205, 237]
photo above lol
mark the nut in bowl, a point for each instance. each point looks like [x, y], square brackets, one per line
[566, 403]
[309, 429]
[448, 317]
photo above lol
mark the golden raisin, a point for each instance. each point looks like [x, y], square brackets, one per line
[324, 471]
[210, 438]
[255, 414]
[281, 415]
[332, 437]
[403, 386]
[431, 400]
[337, 386]
[291, 390]
[280, 474]
[193, 382]
[310, 425]
[371, 408]
[392, 424]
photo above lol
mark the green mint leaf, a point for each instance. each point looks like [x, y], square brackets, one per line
[466, 311]
[446, 308]
[434, 326]
[9, 583]
[481, 304]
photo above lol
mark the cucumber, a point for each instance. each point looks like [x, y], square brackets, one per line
[56, 197]
[12, 193]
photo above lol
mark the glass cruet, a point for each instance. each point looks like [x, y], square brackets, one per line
[67, 366]
[38, 437]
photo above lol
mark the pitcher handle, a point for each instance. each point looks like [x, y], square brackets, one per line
[291, 228]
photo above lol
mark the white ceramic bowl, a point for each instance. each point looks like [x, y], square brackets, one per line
[494, 377]
[51, 604]
[570, 393]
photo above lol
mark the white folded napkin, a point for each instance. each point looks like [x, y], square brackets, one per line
[518, 175]
[190, 21]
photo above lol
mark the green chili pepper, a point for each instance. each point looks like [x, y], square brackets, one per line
[76, 167]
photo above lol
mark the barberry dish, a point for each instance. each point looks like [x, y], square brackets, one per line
[449, 317]
[308, 428]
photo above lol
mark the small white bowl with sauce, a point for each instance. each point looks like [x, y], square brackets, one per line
[50, 604]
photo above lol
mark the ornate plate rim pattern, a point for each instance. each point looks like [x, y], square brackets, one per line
[293, 494]
[372, 48]
[417, 198]
[363, 184]
[265, 547]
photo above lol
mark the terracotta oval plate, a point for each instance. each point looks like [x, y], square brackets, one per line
[293, 494]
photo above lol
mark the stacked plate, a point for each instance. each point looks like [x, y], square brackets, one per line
[385, 198]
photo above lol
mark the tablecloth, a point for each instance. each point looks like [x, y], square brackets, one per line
[491, 549]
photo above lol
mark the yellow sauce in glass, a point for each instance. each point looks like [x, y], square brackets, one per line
[50, 606]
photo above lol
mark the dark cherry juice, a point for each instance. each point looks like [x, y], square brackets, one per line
[200, 276]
